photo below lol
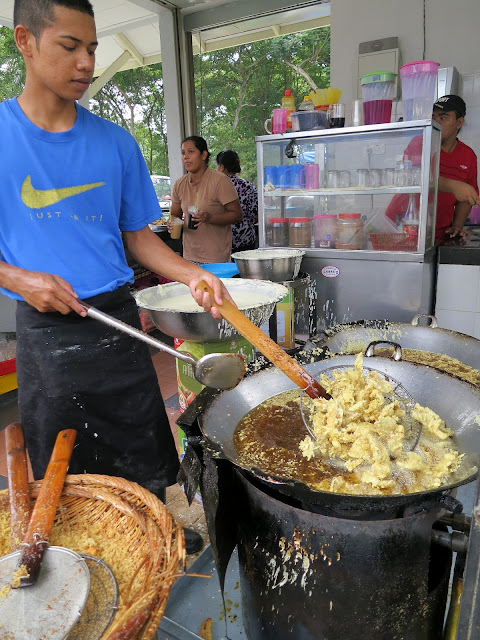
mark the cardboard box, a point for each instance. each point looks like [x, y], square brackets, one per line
[188, 386]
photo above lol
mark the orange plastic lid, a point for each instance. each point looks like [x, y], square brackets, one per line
[292, 220]
[279, 220]
[349, 215]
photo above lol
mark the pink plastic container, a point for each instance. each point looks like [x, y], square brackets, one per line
[474, 216]
[419, 83]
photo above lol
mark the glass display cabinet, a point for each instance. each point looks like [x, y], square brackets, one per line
[361, 201]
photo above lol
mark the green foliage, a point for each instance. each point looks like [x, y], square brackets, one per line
[236, 90]
[12, 69]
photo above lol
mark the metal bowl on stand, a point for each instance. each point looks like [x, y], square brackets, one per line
[257, 300]
[277, 265]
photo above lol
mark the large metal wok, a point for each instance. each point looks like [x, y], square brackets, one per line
[347, 338]
[456, 401]
[198, 326]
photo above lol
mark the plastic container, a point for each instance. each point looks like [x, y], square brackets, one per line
[474, 217]
[350, 231]
[288, 102]
[300, 232]
[419, 84]
[309, 120]
[325, 231]
[277, 232]
[221, 269]
[306, 105]
[377, 94]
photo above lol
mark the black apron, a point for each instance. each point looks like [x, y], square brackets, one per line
[78, 373]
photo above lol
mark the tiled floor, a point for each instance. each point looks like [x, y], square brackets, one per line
[177, 504]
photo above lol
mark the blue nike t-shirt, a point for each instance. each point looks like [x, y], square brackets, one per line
[66, 197]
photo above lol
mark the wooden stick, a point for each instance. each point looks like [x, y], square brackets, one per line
[19, 493]
[268, 347]
[45, 508]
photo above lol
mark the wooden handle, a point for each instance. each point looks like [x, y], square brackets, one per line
[45, 508]
[19, 493]
[267, 346]
[52, 485]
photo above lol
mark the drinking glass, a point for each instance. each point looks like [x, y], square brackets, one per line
[336, 115]
[333, 178]
[375, 177]
[344, 179]
[388, 177]
[363, 178]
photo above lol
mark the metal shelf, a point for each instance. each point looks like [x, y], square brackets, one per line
[342, 192]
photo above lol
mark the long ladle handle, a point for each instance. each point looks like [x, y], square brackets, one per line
[43, 515]
[267, 346]
[133, 331]
[18, 489]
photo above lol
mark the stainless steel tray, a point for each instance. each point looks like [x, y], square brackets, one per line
[192, 600]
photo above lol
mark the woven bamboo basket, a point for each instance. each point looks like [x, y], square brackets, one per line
[131, 530]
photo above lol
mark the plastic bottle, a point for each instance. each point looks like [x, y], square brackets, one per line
[306, 105]
[288, 102]
[410, 219]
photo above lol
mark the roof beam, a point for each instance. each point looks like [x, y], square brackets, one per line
[257, 35]
[128, 45]
[108, 73]
[240, 10]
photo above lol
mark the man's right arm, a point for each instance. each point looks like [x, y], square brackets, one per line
[462, 191]
[44, 291]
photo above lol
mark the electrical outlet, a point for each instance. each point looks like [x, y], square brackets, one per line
[378, 149]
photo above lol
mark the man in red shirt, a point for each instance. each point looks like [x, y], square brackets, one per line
[457, 184]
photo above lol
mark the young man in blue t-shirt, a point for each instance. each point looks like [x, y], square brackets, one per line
[72, 183]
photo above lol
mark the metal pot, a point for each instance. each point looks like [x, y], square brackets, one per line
[342, 338]
[277, 265]
[198, 326]
[456, 401]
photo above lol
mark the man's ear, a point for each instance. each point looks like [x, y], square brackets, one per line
[24, 39]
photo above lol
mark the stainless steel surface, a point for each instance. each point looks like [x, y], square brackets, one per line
[199, 326]
[351, 290]
[217, 370]
[455, 401]
[367, 128]
[59, 596]
[342, 338]
[279, 266]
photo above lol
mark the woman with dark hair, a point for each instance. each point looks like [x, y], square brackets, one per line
[244, 235]
[211, 200]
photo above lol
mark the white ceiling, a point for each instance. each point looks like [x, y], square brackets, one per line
[132, 25]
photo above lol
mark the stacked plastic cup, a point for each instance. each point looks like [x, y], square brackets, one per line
[419, 84]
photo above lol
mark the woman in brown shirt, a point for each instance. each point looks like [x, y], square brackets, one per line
[216, 201]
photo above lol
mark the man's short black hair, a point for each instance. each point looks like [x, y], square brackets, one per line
[38, 14]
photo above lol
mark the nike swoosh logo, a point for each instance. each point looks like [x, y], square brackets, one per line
[38, 199]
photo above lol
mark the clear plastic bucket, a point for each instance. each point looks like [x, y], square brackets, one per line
[378, 90]
[419, 83]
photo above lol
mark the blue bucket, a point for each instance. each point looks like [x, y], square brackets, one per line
[221, 269]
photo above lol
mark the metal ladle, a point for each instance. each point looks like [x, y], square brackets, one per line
[216, 370]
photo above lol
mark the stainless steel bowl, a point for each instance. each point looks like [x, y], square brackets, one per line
[277, 265]
[198, 326]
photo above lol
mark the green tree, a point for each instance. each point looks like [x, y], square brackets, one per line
[12, 68]
[237, 88]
